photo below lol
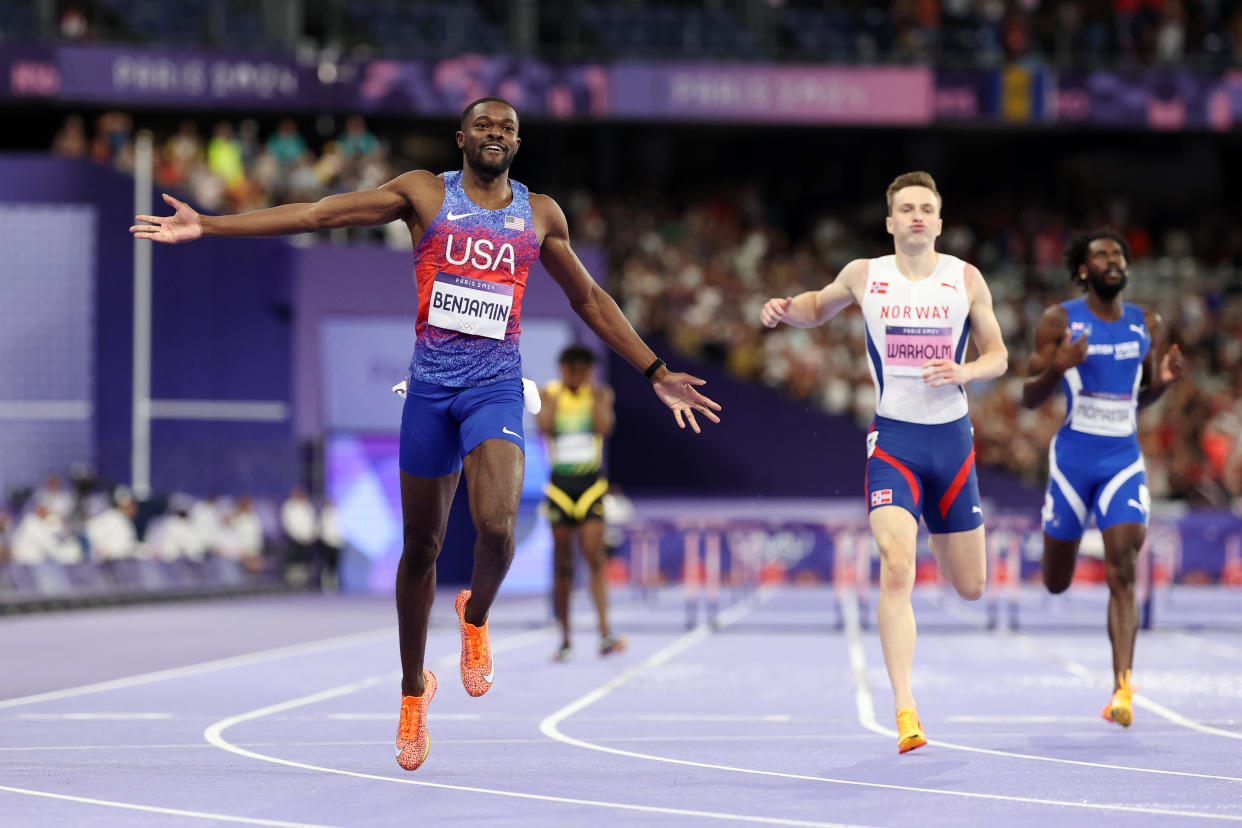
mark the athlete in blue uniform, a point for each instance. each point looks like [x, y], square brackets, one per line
[475, 235]
[1101, 352]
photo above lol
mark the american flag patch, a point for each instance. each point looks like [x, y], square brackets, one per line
[515, 223]
[881, 496]
[879, 287]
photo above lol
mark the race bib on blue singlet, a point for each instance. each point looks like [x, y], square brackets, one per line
[471, 306]
[1103, 414]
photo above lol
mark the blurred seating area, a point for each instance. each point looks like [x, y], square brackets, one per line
[87, 542]
[1062, 33]
[232, 167]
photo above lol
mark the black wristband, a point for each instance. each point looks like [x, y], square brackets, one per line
[651, 369]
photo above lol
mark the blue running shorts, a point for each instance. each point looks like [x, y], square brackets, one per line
[927, 470]
[441, 425]
[1083, 479]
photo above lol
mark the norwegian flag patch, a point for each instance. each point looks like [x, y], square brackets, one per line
[515, 223]
[881, 496]
[879, 287]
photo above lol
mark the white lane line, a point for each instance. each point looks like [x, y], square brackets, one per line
[865, 707]
[1207, 645]
[1139, 700]
[120, 717]
[306, 648]
[214, 736]
[153, 809]
[866, 715]
[1082, 671]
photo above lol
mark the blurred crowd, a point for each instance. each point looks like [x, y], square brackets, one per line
[236, 168]
[1068, 32]
[88, 522]
[699, 277]
[948, 32]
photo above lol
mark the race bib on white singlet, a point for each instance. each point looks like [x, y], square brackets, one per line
[573, 449]
[471, 306]
[907, 348]
[1106, 415]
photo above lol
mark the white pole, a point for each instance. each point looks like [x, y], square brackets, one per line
[140, 457]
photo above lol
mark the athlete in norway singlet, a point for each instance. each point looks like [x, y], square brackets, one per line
[909, 323]
[471, 266]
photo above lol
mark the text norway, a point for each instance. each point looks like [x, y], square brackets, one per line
[470, 307]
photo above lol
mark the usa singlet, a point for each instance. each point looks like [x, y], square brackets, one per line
[471, 266]
[1095, 463]
[920, 450]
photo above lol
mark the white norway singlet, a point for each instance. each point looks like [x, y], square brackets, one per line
[909, 323]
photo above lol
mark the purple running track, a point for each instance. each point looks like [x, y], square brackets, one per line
[282, 711]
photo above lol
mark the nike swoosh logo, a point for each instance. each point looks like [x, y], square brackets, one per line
[455, 216]
[505, 429]
[1132, 502]
[488, 678]
[398, 753]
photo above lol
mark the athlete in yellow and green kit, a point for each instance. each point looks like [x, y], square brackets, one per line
[576, 416]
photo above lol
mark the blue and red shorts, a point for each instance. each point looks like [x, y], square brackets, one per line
[441, 425]
[927, 470]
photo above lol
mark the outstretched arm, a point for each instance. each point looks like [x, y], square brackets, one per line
[1055, 353]
[993, 359]
[365, 208]
[601, 314]
[815, 307]
[1172, 363]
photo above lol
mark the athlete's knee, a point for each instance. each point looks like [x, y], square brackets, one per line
[1120, 574]
[594, 559]
[971, 587]
[1057, 582]
[495, 527]
[564, 570]
[419, 550]
[897, 570]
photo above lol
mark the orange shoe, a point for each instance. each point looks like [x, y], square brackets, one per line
[1120, 707]
[477, 668]
[909, 730]
[413, 740]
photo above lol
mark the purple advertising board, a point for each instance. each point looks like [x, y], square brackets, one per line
[1157, 99]
[897, 95]
[437, 87]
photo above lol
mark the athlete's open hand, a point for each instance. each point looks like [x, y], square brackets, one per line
[774, 310]
[937, 372]
[1070, 352]
[181, 226]
[1172, 365]
[678, 393]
